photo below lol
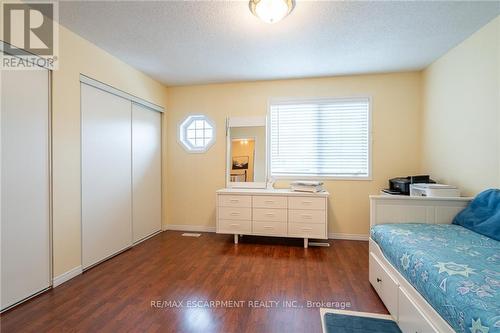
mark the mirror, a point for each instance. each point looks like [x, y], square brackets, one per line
[246, 158]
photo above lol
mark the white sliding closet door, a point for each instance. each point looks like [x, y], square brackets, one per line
[25, 185]
[106, 174]
[146, 171]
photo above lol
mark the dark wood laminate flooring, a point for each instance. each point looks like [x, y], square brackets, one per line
[267, 284]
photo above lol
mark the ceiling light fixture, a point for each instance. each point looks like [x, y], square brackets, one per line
[271, 11]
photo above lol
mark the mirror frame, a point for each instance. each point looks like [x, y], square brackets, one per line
[256, 121]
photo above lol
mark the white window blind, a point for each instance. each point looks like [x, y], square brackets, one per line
[322, 138]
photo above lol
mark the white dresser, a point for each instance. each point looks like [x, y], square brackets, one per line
[272, 212]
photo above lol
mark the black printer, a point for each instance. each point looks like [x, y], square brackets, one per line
[401, 185]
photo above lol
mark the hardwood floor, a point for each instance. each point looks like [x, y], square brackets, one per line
[117, 295]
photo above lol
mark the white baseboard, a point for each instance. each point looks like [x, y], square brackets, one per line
[185, 227]
[148, 237]
[358, 237]
[58, 280]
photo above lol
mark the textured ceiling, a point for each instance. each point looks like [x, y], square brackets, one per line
[179, 42]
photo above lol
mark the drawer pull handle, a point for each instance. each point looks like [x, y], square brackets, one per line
[234, 200]
[379, 280]
[269, 201]
[270, 214]
[234, 225]
[307, 202]
[268, 227]
[307, 229]
[235, 213]
[306, 216]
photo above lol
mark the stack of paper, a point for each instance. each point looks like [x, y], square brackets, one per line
[307, 186]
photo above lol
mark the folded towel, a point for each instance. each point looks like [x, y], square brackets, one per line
[307, 183]
[312, 189]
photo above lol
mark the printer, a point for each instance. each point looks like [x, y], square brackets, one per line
[434, 190]
[401, 185]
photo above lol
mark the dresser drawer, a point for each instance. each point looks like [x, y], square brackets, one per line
[235, 201]
[269, 228]
[306, 203]
[307, 216]
[262, 201]
[307, 230]
[234, 227]
[230, 213]
[271, 215]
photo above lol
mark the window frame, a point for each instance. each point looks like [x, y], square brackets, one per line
[182, 127]
[273, 101]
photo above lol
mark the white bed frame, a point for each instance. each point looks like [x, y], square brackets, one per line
[405, 304]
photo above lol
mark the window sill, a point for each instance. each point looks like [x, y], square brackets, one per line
[301, 177]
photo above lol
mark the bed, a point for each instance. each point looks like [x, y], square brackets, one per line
[431, 275]
[456, 270]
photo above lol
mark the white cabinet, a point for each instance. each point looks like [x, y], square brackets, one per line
[272, 213]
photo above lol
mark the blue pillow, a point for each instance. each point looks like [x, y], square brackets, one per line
[482, 215]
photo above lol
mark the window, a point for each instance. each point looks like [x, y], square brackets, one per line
[197, 133]
[320, 138]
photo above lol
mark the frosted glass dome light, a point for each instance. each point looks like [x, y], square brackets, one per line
[271, 11]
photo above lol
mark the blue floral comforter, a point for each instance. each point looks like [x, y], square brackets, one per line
[456, 270]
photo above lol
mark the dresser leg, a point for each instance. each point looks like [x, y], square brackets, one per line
[235, 238]
[306, 243]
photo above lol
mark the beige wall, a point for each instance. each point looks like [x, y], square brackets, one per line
[192, 179]
[461, 113]
[80, 56]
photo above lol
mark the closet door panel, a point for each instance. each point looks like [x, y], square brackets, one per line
[146, 171]
[106, 175]
[25, 185]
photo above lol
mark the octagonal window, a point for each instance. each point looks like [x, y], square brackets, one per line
[197, 133]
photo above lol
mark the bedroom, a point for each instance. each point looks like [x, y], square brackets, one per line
[404, 88]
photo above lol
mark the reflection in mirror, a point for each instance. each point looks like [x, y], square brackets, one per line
[248, 154]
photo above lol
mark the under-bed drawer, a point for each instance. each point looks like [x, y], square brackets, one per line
[385, 285]
[411, 318]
